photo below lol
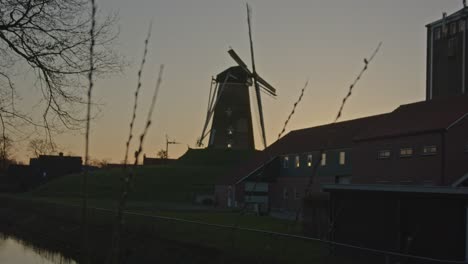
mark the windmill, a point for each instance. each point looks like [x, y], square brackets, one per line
[229, 103]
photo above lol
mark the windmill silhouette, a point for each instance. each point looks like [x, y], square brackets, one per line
[229, 103]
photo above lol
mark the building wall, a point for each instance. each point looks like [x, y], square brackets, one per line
[288, 189]
[446, 62]
[456, 150]
[430, 225]
[418, 169]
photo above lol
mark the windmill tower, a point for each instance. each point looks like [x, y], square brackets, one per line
[229, 104]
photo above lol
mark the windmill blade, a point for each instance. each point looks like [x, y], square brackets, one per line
[239, 61]
[267, 87]
[255, 77]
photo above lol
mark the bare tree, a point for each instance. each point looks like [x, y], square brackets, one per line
[50, 39]
[6, 157]
[39, 147]
[162, 154]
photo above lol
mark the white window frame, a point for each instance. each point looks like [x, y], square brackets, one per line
[309, 160]
[429, 150]
[323, 161]
[384, 151]
[342, 158]
[297, 161]
[286, 162]
[406, 152]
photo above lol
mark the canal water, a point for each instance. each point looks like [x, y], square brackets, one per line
[13, 251]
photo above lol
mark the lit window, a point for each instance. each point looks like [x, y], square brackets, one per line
[285, 193]
[429, 150]
[453, 28]
[286, 162]
[406, 152]
[323, 161]
[229, 145]
[437, 33]
[461, 25]
[230, 131]
[342, 158]
[309, 160]
[297, 161]
[384, 154]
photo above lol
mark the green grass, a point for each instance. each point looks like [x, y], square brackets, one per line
[194, 173]
[162, 183]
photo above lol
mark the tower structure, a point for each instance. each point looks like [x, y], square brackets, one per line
[447, 67]
[232, 118]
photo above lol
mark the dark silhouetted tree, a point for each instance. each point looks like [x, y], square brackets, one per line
[162, 154]
[49, 40]
[39, 147]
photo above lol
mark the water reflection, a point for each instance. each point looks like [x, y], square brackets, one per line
[13, 251]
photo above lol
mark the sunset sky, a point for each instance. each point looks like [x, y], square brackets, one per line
[321, 40]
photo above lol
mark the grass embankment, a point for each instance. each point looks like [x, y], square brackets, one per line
[195, 173]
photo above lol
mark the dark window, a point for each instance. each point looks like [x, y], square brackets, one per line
[429, 150]
[406, 152]
[285, 193]
[437, 33]
[343, 179]
[466, 147]
[384, 154]
[461, 25]
[453, 28]
[285, 162]
[452, 47]
[297, 194]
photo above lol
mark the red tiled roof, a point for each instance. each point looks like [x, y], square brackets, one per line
[421, 117]
[331, 136]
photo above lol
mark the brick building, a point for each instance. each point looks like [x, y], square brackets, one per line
[423, 143]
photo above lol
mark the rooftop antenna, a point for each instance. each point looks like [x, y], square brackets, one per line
[169, 142]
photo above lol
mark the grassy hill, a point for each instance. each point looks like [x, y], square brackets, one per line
[196, 172]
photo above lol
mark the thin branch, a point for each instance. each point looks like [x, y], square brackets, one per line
[137, 91]
[366, 64]
[293, 110]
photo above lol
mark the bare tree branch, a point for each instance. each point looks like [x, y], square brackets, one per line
[51, 39]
